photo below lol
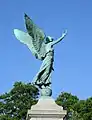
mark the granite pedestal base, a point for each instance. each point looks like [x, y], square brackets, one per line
[46, 109]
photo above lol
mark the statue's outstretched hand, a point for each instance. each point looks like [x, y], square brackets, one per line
[61, 38]
[64, 33]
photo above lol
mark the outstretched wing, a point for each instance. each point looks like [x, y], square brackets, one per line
[38, 37]
[26, 39]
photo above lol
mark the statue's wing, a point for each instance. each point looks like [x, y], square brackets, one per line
[38, 37]
[26, 39]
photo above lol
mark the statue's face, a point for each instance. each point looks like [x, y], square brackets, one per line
[49, 39]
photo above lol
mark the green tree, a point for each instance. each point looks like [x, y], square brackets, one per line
[80, 107]
[76, 109]
[88, 109]
[14, 104]
[84, 108]
[67, 101]
[74, 115]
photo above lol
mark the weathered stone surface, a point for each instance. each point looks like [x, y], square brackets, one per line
[46, 109]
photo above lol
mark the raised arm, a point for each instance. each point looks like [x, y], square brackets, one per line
[59, 39]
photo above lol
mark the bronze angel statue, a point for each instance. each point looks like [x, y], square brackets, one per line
[41, 47]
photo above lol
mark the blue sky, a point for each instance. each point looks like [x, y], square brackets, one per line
[73, 56]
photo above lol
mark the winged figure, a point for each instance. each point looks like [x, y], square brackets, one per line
[41, 47]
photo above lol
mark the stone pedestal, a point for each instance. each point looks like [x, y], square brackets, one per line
[46, 109]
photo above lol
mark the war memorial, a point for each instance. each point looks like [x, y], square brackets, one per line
[42, 47]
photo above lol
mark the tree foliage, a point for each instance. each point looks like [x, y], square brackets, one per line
[84, 108]
[67, 101]
[76, 109]
[14, 105]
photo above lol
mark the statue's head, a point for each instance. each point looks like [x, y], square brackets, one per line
[49, 39]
